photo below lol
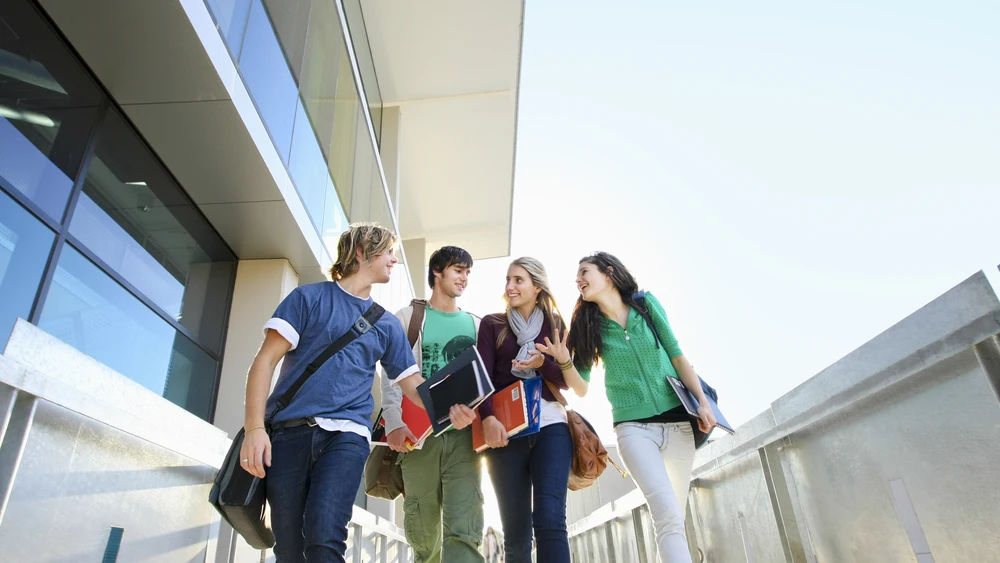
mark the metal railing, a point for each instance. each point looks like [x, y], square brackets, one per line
[887, 455]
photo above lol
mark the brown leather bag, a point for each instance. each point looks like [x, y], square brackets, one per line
[383, 472]
[590, 459]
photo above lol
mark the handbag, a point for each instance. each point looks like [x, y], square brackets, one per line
[590, 458]
[700, 438]
[241, 497]
[383, 471]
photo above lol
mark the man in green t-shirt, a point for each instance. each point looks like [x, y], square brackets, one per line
[444, 500]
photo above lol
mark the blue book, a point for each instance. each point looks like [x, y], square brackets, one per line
[533, 396]
[691, 404]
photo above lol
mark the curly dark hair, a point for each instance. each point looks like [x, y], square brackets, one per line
[585, 339]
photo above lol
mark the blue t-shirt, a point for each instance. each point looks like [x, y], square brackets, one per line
[310, 318]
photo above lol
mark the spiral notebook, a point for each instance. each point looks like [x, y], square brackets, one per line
[691, 404]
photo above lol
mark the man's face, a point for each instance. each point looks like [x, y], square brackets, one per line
[381, 266]
[453, 280]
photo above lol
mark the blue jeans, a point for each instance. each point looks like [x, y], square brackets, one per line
[311, 486]
[530, 476]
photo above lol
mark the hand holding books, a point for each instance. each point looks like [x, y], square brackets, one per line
[517, 410]
[403, 440]
[451, 394]
[706, 418]
[461, 416]
[696, 410]
[496, 434]
[398, 438]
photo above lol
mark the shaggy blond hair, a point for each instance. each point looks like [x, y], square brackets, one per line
[371, 238]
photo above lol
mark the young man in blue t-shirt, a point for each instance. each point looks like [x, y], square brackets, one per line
[319, 442]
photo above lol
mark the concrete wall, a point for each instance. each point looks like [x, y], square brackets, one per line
[78, 478]
[84, 449]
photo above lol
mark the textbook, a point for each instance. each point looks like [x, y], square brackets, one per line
[464, 381]
[691, 404]
[518, 407]
[416, 420]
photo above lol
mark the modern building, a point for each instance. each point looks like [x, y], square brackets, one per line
[169, 171]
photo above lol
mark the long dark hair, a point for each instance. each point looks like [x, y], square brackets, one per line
[585, 339]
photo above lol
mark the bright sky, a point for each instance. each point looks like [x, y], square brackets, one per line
[789, 179]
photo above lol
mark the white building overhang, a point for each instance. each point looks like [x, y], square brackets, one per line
[452, 68]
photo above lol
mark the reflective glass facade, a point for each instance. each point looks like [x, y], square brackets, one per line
[294, 60]
[99, 245]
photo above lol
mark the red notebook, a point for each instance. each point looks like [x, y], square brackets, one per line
[510, 406]
[416, 420]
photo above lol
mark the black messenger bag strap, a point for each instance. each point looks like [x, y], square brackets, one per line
[364, 323]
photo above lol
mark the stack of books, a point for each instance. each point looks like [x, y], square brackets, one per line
[464, 381]
[416, 420]
[518, 407]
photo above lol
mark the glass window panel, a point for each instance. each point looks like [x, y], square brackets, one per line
[366, 65]
[25, 243]
[379, 204]
[308, 168]
[47, 108]
[134, 217]
[191, 377]
[290, 21]
[268, 79]
[320, 70]
[335, 220]
[91, 312]
[231, 18]
[364, 156]
[345, 130]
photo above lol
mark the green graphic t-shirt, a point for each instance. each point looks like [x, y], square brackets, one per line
[446, 335]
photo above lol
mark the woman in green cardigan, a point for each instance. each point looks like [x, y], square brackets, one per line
[655, 433]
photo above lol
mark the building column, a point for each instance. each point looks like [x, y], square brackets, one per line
[389, 151]
[416, 262]
[260, 287]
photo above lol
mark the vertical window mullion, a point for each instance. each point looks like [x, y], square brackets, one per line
[81, 178]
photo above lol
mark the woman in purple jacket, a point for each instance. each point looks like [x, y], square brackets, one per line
[530, 473]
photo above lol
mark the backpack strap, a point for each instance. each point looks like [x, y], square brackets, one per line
[416, 320]
[364, 323]
[640, 300]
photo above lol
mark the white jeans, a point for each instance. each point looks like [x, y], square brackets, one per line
[660, 458]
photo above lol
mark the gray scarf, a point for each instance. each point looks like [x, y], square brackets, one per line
[526, 332]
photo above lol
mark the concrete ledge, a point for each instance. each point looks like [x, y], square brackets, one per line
[610, 511]
[37, 363]
[964, 316]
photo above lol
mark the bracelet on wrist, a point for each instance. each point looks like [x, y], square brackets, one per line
[566, 366]
[249, 430]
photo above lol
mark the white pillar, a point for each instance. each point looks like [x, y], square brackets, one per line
[260, 287]
[389, 151]
[416, 263]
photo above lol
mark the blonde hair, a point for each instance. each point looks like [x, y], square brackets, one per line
[545, 300]
[371, 238]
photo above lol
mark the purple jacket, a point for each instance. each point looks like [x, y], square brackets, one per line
[498, 360]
